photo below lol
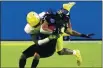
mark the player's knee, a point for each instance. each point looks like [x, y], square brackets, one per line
[36, 56]
[23, 56]
[60, 52]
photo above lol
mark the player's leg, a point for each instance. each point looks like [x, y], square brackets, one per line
[35, 60]
[29, 52]
[22, 61]
[65, 51]
[59, 47]
[59, 43]
[43, 51]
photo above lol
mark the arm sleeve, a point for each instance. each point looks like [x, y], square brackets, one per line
[39, 42]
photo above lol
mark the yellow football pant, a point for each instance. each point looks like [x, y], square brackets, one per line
[59, 44]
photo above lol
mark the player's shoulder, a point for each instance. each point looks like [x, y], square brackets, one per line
[28, 27]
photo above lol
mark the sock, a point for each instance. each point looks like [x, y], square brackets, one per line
[74, 52]
[35, 63]
[66, 51]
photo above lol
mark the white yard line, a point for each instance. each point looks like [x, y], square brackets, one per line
[27, 43]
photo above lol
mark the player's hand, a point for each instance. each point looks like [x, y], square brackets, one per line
[90, 35]
[51, 37]
[87, 35]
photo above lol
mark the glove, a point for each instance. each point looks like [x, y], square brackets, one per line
[51, 37]
[87, 35]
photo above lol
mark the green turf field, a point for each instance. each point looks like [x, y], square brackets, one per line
[90, 51]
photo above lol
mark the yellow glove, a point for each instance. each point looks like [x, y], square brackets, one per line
[69, 5]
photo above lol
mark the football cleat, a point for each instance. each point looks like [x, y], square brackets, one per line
[78, 57]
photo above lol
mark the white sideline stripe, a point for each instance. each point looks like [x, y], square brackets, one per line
[27, 43]
[83, 41]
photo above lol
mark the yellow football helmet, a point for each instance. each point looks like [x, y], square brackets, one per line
[33, 18]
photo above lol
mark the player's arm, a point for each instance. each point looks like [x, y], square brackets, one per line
[69, 27]
[44, 27]
[43, 41]
[39, 42]
[75, 33]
